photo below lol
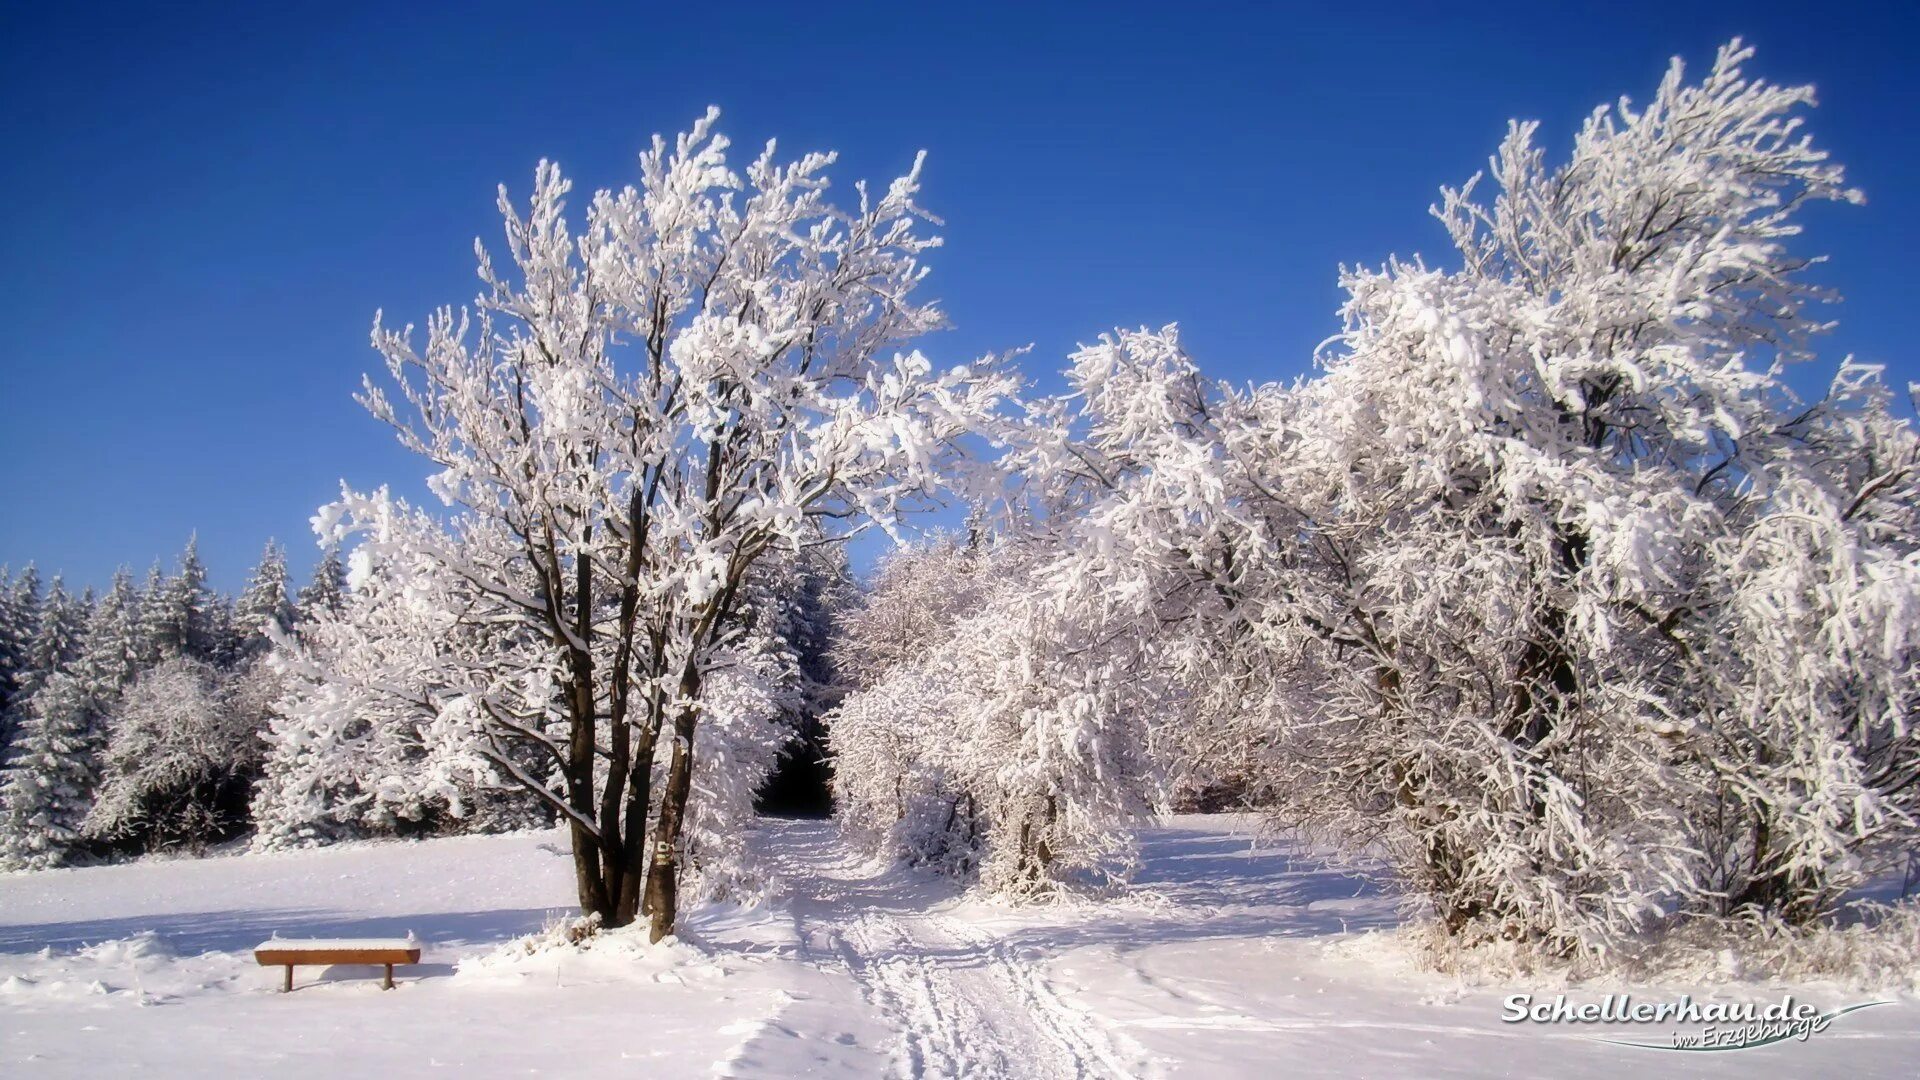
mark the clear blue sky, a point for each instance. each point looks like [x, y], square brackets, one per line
[204, 205]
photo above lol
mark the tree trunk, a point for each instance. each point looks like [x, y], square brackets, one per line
[626, 906]
[663, 882]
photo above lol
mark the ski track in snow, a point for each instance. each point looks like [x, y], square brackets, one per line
[962, 1002]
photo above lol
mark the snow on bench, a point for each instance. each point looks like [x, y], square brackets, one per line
[287, 952]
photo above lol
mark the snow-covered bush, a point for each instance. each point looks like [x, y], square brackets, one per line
[357, 744]
[973, 747]
[179, 763]
[893, 652]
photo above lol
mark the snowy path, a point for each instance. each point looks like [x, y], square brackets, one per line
[962, 1001]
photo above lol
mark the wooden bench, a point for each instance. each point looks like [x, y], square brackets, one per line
[288, 952]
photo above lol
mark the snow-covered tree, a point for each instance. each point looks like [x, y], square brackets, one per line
[327, 591]
[356, 745]
[112, 655]
[57, 639]
[1548, 588]
[983, 735]
[50, 785]
[180, 758]
[263, 606]
[19, 620]
[892, 652]
[916, 597]
[20, 603]
[1803, 643]
[149, 620]
[1546, 452]
[179, 613]
[628, 423]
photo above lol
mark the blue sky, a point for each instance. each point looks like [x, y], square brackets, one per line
[204, 205]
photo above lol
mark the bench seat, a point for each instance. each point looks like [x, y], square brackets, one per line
[289, 952]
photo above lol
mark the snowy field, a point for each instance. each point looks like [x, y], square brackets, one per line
[1230, 959]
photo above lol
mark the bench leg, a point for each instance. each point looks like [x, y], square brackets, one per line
[287, 988]
[389, 984]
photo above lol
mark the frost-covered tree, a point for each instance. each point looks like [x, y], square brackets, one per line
[225, 645]
[327, 591]
[1547, 588]
[916, 597]
[984, 736]
[19, 619]
[1545, 452]
[628, 423]
[1803, 643]
[890, 652]
[50, 785]
[180, 758]
[355, 745]
[112, 655]
[20, 604]
[58, 636]
[263, 607]
[179, 614]
[149, 619]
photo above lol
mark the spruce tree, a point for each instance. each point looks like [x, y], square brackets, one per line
[56, 641]
[19, 621]
[112, 655]
[327, 592]
[48, 789]
[221, 646]
[177, 613]
[150, 618]
[264, 603]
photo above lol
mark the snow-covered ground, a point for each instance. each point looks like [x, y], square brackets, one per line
[1231, 959]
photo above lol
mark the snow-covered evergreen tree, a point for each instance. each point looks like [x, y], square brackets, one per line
[327, 591]
[179, 613]
[150, 617]
[19, 623]
[225, 645]
[57, 638]
[112, 655]
[48, 786]
[50, 775]
[263, 608]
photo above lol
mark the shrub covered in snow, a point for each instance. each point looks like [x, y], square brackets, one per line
[180, 762]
